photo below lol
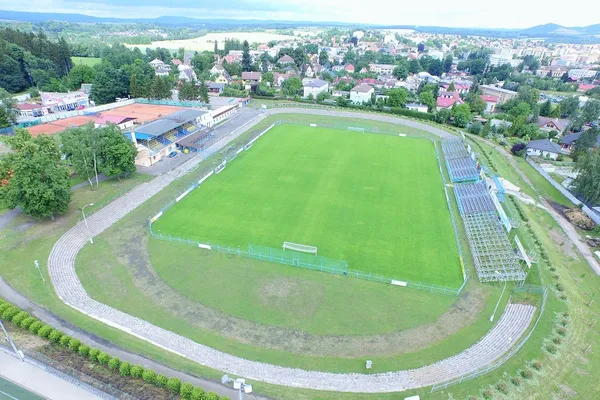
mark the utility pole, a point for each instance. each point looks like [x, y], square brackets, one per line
[37, 265]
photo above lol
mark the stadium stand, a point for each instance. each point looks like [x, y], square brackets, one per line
[461, 165]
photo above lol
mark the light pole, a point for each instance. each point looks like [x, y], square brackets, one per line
[18, 352]
[500, 298]
[37, 265]
[85, 220]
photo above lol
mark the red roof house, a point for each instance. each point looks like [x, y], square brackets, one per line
[349, 68]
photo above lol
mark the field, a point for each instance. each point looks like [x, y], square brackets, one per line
[91, 61]
[376, 201]
[207, 42]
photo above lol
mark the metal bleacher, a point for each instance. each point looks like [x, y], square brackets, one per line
[461, 166]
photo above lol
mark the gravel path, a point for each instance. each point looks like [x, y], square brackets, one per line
[61, 265]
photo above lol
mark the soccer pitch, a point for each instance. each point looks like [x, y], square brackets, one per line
[374, 200]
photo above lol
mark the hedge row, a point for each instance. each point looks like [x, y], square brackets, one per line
[21, 319]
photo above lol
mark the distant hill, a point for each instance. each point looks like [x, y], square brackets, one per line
[550, 31]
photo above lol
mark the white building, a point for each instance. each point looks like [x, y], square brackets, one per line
[314, 87]
[499, 59]
[65, 101]
[438, 55]
[579, 73]
[417, 107]
[385, 69]
[361, 93]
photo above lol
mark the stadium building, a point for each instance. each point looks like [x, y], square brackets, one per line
[184, 130]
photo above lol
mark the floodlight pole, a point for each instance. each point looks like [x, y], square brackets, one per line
[500, 298]
[12, 344]
[85, 221]
[37, 265]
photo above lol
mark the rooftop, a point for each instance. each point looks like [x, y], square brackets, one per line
[316, 83]
[362, 88]
[169, 122]
[544, 145]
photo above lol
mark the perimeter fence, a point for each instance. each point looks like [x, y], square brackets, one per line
[218, 162]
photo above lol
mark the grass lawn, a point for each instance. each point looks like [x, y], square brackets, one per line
[376, 201]
[91, 61]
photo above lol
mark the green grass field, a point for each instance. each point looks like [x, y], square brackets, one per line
[91, 61]
[376, 201]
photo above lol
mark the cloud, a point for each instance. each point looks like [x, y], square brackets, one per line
[467, 13]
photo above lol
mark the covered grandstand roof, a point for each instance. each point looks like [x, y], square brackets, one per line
[169, 122]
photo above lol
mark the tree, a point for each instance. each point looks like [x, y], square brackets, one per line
[477, 66]
[426, 97]
[414, 66]
[462, 115]
[116, 151]
[39, 182]
[451, 88]
[323, 57]
[400, 72]
[161, 88]
[7, 106]
[476, 103]
[570, 106]
[268, 77]
[518, 149]
[448, 63]
[443, 115]
[522, 109]
[203, 92]
[590, 111]
[587, 183]
[109, 83]
[81, 148]
[188, 90]
[586, 141]
[291, 86]
[546, 109]
[80, 74]
[246, 61]
[476, 128]
[397, 97]
[216, 48]
[436, 67]
[420, 47]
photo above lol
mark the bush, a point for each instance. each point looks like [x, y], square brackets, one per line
[186, 391]
[473, 398]
[125, 369]
[161, 380]
[518, 149]
[114, 363]
[103, 358]
[10, 312]
[537, 365]
[557, 340]
[515, 380]
[35, 327]
[488, 394]
[84, 350]
[413, 114]
[93, 354]
[26, 323]
[74, 344]
[44, 331]
[137, 371]
[559, 287]
[174, 385]
[502, 388]
[527, 374]
[562, 331]
[197, 394]
[551, 349]
[211, 396]
[55, 336]
[4, 306]
[65, 340]
[564, 322]
[19, 317]
[149, 376]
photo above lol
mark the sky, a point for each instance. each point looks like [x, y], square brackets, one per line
[466, 13]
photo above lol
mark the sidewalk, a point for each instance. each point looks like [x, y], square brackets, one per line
[39, 381]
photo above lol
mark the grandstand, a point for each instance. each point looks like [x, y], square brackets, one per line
[166, 133]
[460, 163]
[493, 255]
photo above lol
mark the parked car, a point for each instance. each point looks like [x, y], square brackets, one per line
[173, 154]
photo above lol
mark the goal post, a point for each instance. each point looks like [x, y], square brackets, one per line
[302, 248]
[356, 129]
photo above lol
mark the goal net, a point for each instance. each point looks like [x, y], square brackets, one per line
[220, 167]
[356, 129]
[300, 248]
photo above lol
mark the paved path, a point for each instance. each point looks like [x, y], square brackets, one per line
[566, 226]
[61, 265]
[40, 381]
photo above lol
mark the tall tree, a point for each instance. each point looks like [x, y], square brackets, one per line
[570, 106]
[203, 92]
[587, 183]
[414, 66]
[161, 88]
[81, 147]
[80, 74]
[7, 112]
[462, 115]
[39, 182]
[448, 63]
[400, 72]
[546, 109]
[586, 141]
[323, 57]
[397, 97]
[246, 60]
[426, 97]
[188, 90]
[117, 152]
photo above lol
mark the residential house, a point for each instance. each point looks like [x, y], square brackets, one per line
[162, 71]
[224, 77]
[543, 148]
[361, 93]
[176, 61]
[417, 107]
[580, 73]
[386, 69]
[559, 125]
[390, 83]
[156, 63]
[217, 69]
[278, 78]
[460, 88]
[567, 143]
[584, 87]
[285, 59]
[448, 100]
[314, 87]
[490, 103]
[308, 71]
[187, 74]
[349, 68]
[251, 79]
[427, 77]
[503, 95]
[556, 71]
[340, 93]
[500, 123]
[337, 68]
[216, 88]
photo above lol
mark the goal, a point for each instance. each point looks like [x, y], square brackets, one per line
[220, 167]
[356, 129]
[299, 247]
